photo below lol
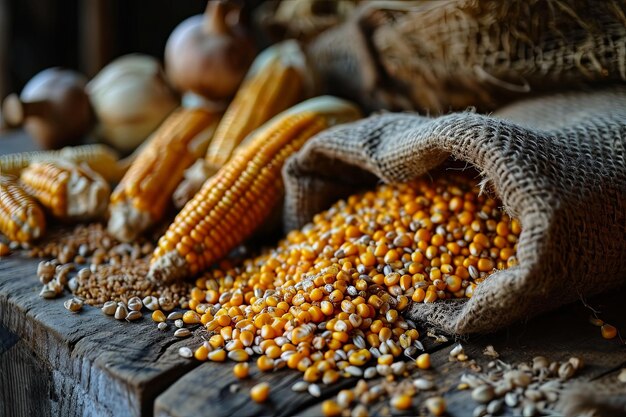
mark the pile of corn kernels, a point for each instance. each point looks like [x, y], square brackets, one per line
[328, 300]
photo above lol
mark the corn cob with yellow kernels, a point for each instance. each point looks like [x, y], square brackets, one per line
[141, 198]
[67, 190]
[277, 80]
[241, 196]
[21, 217]
[100, 158]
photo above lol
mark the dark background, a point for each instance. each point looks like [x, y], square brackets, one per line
[84, 34]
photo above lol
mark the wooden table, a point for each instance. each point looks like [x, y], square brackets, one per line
[54, 363]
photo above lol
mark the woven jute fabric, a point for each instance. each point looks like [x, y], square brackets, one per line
[557, 164]
[443, 55]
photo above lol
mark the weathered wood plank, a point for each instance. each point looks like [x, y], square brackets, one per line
[94, 365]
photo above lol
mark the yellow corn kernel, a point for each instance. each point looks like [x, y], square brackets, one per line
[330, 408]
[158, 316]
[235, 201]
[260, 392]
[141, 197]
[201, 353]
[21, 217]
[241, 370]
[423, 361]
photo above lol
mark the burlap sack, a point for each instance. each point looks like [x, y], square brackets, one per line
[440, 55]
[557, 163]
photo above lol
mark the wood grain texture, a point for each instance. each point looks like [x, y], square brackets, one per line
[96, 366]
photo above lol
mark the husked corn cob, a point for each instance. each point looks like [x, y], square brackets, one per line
[69, 191]
[141, 198]
[277, 80]
[100, 158]
[234, 202]
[21, 217]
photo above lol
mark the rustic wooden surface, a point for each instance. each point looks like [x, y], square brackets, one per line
[54, 363]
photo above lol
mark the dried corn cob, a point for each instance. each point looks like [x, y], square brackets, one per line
[100, 158]
[68, 190]
[21, 217]
[234, 202]
[141, 198]
[277, 80]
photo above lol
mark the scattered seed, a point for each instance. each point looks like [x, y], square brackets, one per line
[185, 352]
[314, 390]
[576, 362]
[495, 407]
[134, 315]
[436, 405]
[175, 315]
[182, 333]
[359, 411]
[621, 377]
[151, 302]
[179, 323]
[511, 399]
[370, 372]
[47, 293]
[260, 392]
[354, 371]
[109, 308]
[456, 350]
[566, 371]
[423, 384]
[74, 305]
[480, 411]
[300, 386]
[162, 326]
[483, 394]
[121, 312]
[540, 363]
[423, 361]
[529, 410]
[135, 304]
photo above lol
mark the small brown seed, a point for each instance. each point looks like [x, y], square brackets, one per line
[133, 315]
[74, 305]
[121, 311]
[182, 333]
[185, 352]
[135, 304]
[109, 308]
[436, 405]
[483, 394]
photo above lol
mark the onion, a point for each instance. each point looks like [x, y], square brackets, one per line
[207, 55]
[131, 97]
[53, 107]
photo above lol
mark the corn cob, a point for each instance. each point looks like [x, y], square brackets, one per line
[277, 80]
[100, 158]
[234, 202]
[69, 191]
[21, 217]
[141, 198]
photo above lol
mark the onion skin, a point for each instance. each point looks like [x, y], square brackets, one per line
[53, 108]
[207, 56]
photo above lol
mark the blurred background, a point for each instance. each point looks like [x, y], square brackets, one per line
[84, 34]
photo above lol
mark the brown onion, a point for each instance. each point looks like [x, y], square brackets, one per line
[207, 55]
[53, 107]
